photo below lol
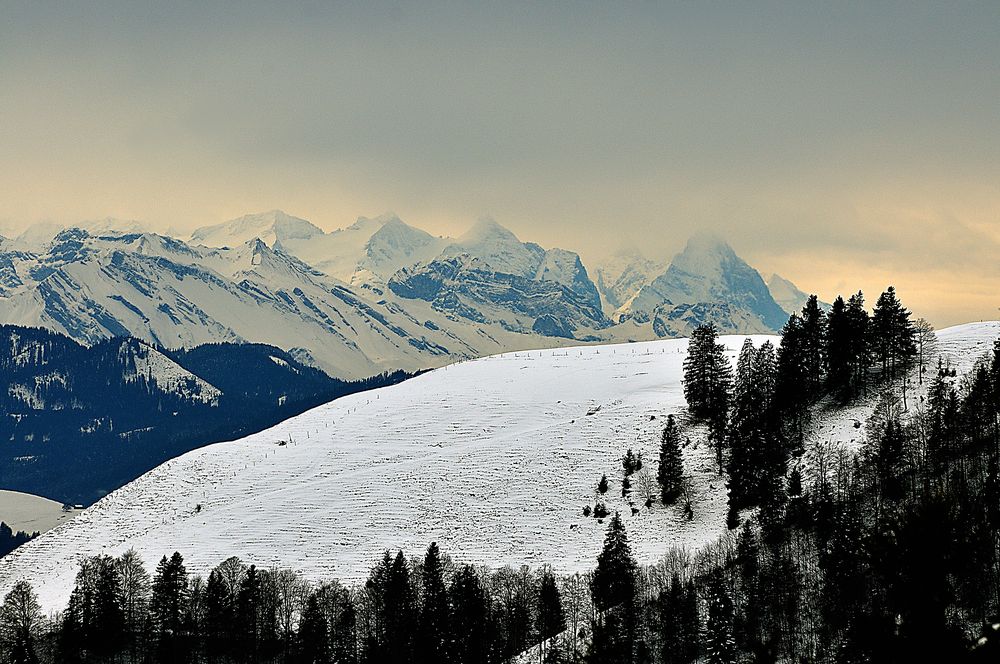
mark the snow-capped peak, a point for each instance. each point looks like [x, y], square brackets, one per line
[704, 252]
[274, 226]
[487, 229]
[376, 222]
[708, 271]
[113, 226]
[498, 247]
[621, 276]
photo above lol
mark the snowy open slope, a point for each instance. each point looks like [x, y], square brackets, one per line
[492, 458]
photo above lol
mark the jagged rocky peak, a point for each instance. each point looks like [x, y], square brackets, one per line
[707, 271]
[274, 226]
[255, 256]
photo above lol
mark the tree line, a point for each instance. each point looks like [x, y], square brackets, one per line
[411, 611]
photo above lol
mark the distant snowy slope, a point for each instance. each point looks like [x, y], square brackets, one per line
[621, 277]
[494, 459]
[787, 295]
[271, 227]
[369, 250]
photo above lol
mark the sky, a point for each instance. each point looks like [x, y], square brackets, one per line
[844, 145]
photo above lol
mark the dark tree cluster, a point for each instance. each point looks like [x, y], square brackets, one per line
[757, 419]
[708, 378]
[408, 611]
[890, 555]
[10, 540]
[670, 473]
[758, 453]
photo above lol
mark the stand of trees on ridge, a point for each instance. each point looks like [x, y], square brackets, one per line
[889, 554]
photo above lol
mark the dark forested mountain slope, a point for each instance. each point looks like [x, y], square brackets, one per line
[78, 422]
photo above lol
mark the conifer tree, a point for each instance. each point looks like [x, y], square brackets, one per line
[630, 462]
[720, 644]
[707, 384]
[105, 632]
[434, 633]
[743, 388]
[70, 645]
[551, 619]
[757, 453]
[472, 628]
[313, 634]
[399, 615]
[613, 582]
[859, 341]
[613, 587]
[670, 473]
[168, 606]
[218, 615]
[744, 444]
[839, 360]
[977, 408]
[813, 344]
[892, 333]
[248, 604]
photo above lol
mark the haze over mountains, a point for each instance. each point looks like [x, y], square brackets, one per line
[377, 295]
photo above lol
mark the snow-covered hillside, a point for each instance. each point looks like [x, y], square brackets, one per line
[959, 347]
[494, 459]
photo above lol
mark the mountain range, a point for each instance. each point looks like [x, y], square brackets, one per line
[375, 296]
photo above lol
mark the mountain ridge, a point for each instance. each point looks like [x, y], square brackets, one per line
[377, 295]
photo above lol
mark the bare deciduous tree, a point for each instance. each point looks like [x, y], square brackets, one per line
[646, 486]
[291, 591]
[926, 343]
[20, 619]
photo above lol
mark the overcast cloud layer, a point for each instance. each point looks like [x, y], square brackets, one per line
[842, 146]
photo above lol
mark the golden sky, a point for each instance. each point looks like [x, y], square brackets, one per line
[842, 146]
